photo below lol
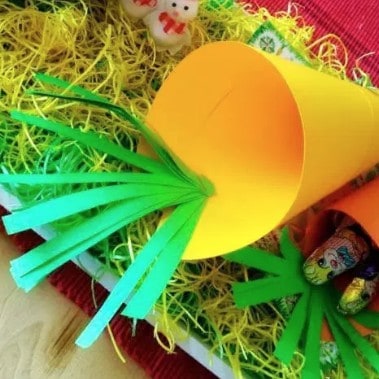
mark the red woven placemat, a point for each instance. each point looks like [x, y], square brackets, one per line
[356, 23]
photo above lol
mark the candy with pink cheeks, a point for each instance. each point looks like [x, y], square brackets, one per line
[168, 24]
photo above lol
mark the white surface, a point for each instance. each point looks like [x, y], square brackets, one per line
[108, 280]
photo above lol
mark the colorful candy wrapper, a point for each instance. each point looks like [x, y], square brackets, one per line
[363, 287]
[341, 252]
[329, 355]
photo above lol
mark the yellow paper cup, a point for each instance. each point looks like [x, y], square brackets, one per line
[273, 137]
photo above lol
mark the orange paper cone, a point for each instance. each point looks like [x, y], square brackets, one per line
[362, 206]
[273, 137]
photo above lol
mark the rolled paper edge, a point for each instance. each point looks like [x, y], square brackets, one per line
[360, 206]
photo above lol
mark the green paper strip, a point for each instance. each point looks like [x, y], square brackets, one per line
[34, 277]
[127, 211]
[153, 286]
[153, 139]
[288, 249]
[30, 280]
[289, 340]
[121, 112]
[93, 140]
[173, 163]
[368, 318]
[312, 366]
[63, 84]
[93, 177]
[133, 275]
[67, 205]
[368, 351]
[265, 290]
[349, 359]
[259, 259]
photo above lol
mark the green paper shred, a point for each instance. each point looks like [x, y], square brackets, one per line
[67, 86]
[93, 177]
[163, 269]
[118, 200]
[367, 351]
[71, 204]
[31, 268]
[286, 347]
[265, 290]
[151, 251]
[349, 359]
[312, 366]
[368, 318]
[258, 259]
[171, 161]
[92, 140]
[290, 252]
[303, 326]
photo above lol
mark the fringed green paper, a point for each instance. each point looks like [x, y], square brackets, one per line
[158, 185]
[315, 303]
[94, 44]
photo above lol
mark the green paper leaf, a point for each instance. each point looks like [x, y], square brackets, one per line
[259, 259]
[63, 84]
[32, 278]
[368, 351]
[62, 248]
[70, 204]
[312, 366]
[93, 140]
[305, 321]
[265, 290]
[164, 268]
[290, 337]
[349, 359]
[94, 177]
[172, 162]
[133, 275]
[121, 112]
[288, 249]
[368, 318]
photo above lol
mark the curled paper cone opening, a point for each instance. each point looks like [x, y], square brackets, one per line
[362, 207]
[272, 136]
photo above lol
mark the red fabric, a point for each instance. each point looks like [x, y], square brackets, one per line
[356, 23]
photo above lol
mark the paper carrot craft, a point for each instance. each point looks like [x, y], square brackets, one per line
[223, 160]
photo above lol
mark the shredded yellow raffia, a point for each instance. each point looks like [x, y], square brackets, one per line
[95, 45]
